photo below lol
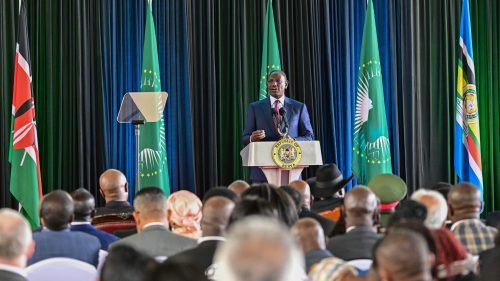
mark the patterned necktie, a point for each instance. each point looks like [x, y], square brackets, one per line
[277, 107]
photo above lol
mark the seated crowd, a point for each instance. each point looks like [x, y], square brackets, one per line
[308, 230]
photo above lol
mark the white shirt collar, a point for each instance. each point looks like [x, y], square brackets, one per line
[273, 99]
[14, 269]
[211, 238]
[153, 223]
[80, 222]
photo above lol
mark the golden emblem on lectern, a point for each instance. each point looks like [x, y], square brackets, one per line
[287, 153]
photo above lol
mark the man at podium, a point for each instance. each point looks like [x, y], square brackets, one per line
[264, 118]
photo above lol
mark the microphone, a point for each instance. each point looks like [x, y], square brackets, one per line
[283, 116]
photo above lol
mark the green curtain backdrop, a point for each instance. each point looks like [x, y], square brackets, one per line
[319, 42]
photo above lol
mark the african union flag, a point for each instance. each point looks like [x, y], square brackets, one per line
[371, 147]
[467, 139]
[270, 50]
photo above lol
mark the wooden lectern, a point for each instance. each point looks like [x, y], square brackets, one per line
[259, 154]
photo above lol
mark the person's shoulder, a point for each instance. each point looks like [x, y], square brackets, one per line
[88, 238]
[258, 103]
[293, 102]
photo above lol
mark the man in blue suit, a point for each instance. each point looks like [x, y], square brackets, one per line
[84, 211]
[56, 239]
[260, 124]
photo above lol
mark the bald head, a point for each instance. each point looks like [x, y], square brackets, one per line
[113, 186]
[84, 204]
[393, 261]
[437, 208]
[464, 201]
[215, 216]
[238, 187]
[309, 234]
[305, 191]
[16, 244]
[360, 205]
[56, 210]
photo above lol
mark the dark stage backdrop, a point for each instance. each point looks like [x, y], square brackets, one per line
[87, 54]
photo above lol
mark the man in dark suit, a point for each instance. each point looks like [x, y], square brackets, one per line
[113, 187]
[153, 237]
[360, 205]
[312, 240]
[260, 125]
[303, 188]
[56, 239]
[84, 211]
[216, 212]
[16, 245]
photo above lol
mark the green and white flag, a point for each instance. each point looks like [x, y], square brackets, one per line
[270, 50]
[153, 166]
[371, 147]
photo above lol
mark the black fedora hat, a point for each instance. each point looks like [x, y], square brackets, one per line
[329, 180]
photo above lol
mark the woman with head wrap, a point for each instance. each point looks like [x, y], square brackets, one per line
[184, 213]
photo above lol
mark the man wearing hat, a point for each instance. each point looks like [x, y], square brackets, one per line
[390, 189]
[325, 188]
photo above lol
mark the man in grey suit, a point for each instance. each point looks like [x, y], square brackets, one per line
[153, 237]
[16, 245]
[361, 208]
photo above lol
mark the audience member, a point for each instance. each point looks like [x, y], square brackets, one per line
[287, 212]
[252, 207]
[113, 187]
[489, 261]
[184, 213]
[259, 249]
[326, 191]
[390, 190]
[305, 209]
[312, 240]
[222, 192]
[443, 188]
[435, 203]
[360, 206]
[178, 270]
[153, 237]
[124, 263]
[238, 187]
[493, 219]
[417, 226]
[403, 256]
[334, 269]
[453, 261]
[56, 239]
[84, 211]
[216, 212]
[408, 210]
[464, 202]
[16, 245]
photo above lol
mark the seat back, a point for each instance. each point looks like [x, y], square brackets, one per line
[113, 223]
[61, 269]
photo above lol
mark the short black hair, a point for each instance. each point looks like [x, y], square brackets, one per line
[84, 203]
[57, 210]
[252, 207]
[125, 263]
[295, 195]
[178, 269]
[408, 210]
[221, 191]
[277, 71]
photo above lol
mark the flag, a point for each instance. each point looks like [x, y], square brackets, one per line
[371, 147]
[467, 140]
[25, 179]
[270, 50]
[153, 166]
